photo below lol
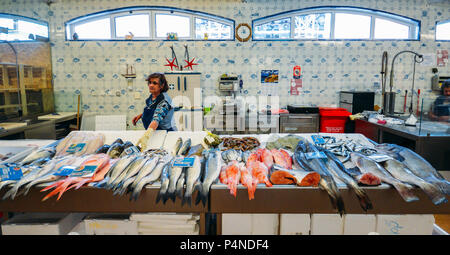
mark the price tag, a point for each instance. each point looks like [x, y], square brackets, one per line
[84, 171]
[318, 139]
[11, 173]
[184, 162]
[313, 155]
[65, 170]
[131, 150]
[73, 148]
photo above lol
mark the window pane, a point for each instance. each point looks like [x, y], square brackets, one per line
[137, 24]
[9, 23]
[215, 30]
[277, 29]
[166, 23]
[351, 26]
[443, 31]
[313, 26]
[27, 28]
[98, 29]
[385, 29]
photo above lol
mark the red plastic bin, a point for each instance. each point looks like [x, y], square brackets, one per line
[332, 120]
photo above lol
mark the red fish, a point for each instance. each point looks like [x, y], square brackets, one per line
[260, 172]
[280, 159]
[249, 182]
[266, 157]
[233, 176]
[287, 158]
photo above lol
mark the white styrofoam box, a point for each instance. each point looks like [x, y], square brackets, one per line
[405, 224]
[359, 224]
[265, 224]
[110, 224]
[160, 231]
[110, 122]
[155, 141]
[295, 224]
[41, 223]
[327, 224]
[176, 217]
[236, 224]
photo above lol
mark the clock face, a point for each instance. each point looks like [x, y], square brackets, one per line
[243, 32]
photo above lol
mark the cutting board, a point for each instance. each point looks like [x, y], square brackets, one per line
[12, 125]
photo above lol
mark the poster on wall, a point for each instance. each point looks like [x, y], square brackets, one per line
[442, 58]
[296, 81]
[269, 82]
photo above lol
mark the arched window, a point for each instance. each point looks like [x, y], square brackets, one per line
[335, 23]
[443, 30]
[19, 28]
[149, 23]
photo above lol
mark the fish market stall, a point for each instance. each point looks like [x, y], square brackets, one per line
[199, 172]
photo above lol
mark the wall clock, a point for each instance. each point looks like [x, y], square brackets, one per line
[243, 32]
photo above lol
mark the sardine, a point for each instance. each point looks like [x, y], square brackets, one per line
[326, 182]
[177, 146]
[402, 173]
[212, 171]
[180, 184]
[192, 180]
[185, 147]
[338, 169]
[417, 164]
[39, 154]
[367, 165]
[165, 174]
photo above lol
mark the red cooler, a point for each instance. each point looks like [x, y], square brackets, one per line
[332, 120]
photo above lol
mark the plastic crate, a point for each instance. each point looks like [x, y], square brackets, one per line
[332, 120]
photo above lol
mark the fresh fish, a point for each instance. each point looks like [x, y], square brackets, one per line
[103, 149]
[95, 141]
[185, 147]
[212, 171]
[259, 171]
[402, 173]
[124, 186]
[118, 168]
[281, 159]
[326, 182]
[177, 146]
[149, 178]
[248, 181]
[366, 164]
[175, 173]
[192, 180]
[180, 184]
[417, 164]
[233, 176]
[131, 150]
[63, 143]
[39, 154]
[115, 150]
[7, 183]
[195, 150]
[127, 144]
[118, 140]
[280, 175]
[266, 156]
[230, 155]
[130, 171]
[165, 174]
[338, 169]
[131, 178]
[149, 166]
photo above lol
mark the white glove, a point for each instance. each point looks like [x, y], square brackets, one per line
[142, 142]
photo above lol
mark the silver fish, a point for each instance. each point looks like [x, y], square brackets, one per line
[212, 171]
[130, 171]
[124, 186]
[338, 169]
[148, 168]
[417, 164]
[177, 146]
[180, 184]
[402, 173]
[367, 165]
[38, 154]
[148, 179]
[118, 168]
[165, 174]
[185, 147]
[175, 173]
[192, 178]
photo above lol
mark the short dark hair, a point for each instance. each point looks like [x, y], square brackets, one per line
[445, 85]
[162, 81]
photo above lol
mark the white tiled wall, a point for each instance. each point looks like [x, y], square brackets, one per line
[327, 67]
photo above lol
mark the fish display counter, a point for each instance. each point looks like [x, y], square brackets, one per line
[200, 172]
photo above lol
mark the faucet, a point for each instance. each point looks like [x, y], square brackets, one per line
[418, 58]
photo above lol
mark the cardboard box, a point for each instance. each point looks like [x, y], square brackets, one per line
[327, 224]
[295, 224]
[41, 223]
[359, 224]
[110, 224]
[405, 224]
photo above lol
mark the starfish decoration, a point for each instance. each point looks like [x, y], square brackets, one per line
[190, 63]
[171, 64]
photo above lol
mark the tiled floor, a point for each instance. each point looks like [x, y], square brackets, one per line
[443, 221]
